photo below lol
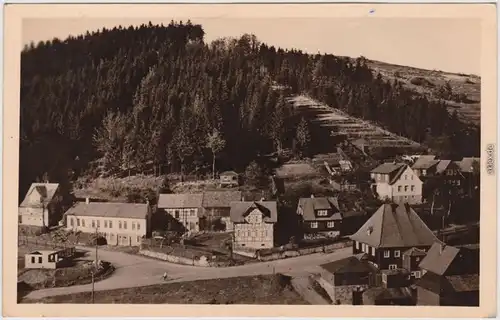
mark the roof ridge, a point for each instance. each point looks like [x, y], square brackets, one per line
[381, 225]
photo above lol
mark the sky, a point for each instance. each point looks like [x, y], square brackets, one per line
[446, 44]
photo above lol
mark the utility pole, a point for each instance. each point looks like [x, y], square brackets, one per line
[92, 272]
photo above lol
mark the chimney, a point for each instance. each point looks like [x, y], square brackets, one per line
[87, 200]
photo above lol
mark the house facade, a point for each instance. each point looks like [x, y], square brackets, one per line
[397, 182]
[229, 178]
[122, 224]
[254, 224]
[321, 217]
[451, 277]
[390, 231]
[345, 280]
[41, 206]
[183, 209]
[48, 259]
[216, 207]
[411, 262]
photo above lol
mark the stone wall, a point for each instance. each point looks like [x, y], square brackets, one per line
[202, 262]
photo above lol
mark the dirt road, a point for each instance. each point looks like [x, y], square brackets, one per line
[136, 271]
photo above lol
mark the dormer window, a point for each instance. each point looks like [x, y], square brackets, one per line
[369, 231]
[322, 213]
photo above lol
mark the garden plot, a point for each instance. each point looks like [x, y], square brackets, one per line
[352, 127]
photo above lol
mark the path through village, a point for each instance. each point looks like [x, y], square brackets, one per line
[135, 271]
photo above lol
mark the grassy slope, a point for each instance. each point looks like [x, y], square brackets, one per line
[460, 83]
[242, 290]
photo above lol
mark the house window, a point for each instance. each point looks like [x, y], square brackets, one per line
[406, 177]
[98, 223]
[124, 224]
[32, 259]
[93, 223]
[83, 222]
[393, 266]
[322, 213]
[105, 223]
[399, 188]
[39, 259]
[138, 239]
[133, 225]
[71, 222]
[373, 251]
[384, 277]
[330, 224]
[193, 213]
[119, 224]
[406, 188]
[397, 253]
[110, 224]
[138, 225]
[314, 224]
[387, 253]
[412, 188]
[78, 222]
[424, 172]
[177, 214]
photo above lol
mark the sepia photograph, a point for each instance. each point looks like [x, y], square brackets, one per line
[225, 160]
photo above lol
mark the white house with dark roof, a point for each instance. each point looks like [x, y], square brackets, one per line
[390, 231]
[254, 223]
[397, 182]
[185, 208]
[40, 207]
[123, 224]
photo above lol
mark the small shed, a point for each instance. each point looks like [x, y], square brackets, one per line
[229, 178]
[48, 259]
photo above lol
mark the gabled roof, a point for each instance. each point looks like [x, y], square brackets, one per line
[388, 167]
[414, 252]
[353, 264]
[228, 173]
[395, 226]
[240, 209]
[220, 199]
[466, 164]
[449, 284]
[442, 165]
[309, 205]
[46, 191]
[180, 200]
[464, 282]
[439, 258]
[110, 209]
[425, 162]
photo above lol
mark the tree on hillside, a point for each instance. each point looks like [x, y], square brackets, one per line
[254, 174]
[303, 137]
[216, 143]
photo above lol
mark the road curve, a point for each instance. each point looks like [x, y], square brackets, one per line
[136, 271]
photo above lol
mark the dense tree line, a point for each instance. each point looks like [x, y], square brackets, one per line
[161, 95]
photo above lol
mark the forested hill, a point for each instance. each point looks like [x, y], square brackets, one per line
[130, 96]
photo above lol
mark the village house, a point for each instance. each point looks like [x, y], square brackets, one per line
[183, 209]
[401, 296]
[229, 179]
[48, 259]
[449, 171]
[216, 208]
[411, 262]
[322, 217]
[425, 165]
[194, 212]
[41, 206]
[345, 280]
[254, 223]
[451, 277]
[122, 224]
[397, 182]
[390, 231]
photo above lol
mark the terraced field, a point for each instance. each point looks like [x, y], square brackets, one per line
[352, 127]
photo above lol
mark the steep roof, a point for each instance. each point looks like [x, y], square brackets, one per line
[240, 209]
[228, 173]
[46, 192]
[220, 199]
[448, 284]
[425, 162]
[442, 165]
[353, 264]
[395, 226]
[388, 167]
[109, 209]
[439, 258]
[180, 200]
[308, 206]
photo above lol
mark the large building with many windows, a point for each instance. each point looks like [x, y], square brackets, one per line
[123, 224]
